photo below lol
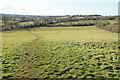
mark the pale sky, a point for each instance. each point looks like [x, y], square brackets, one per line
[59, 7]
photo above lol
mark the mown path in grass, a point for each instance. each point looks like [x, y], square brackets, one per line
[29, 71]
[17, 50]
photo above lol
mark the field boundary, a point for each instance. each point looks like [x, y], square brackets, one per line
[105, 30]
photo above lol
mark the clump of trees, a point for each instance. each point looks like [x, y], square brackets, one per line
[111, 25]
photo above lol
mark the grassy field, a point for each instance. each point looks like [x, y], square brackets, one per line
[60, 52]
[80, 34]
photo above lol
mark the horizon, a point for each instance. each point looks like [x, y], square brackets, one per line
[53, 15]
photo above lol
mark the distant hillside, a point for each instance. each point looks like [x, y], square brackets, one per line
[16, 21]
[18, 15]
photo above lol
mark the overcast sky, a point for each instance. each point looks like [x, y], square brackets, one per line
[59, 7]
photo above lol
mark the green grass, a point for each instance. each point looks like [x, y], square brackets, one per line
[60, 52]
[79, 34]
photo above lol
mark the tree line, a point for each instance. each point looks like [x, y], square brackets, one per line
[109, 23]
